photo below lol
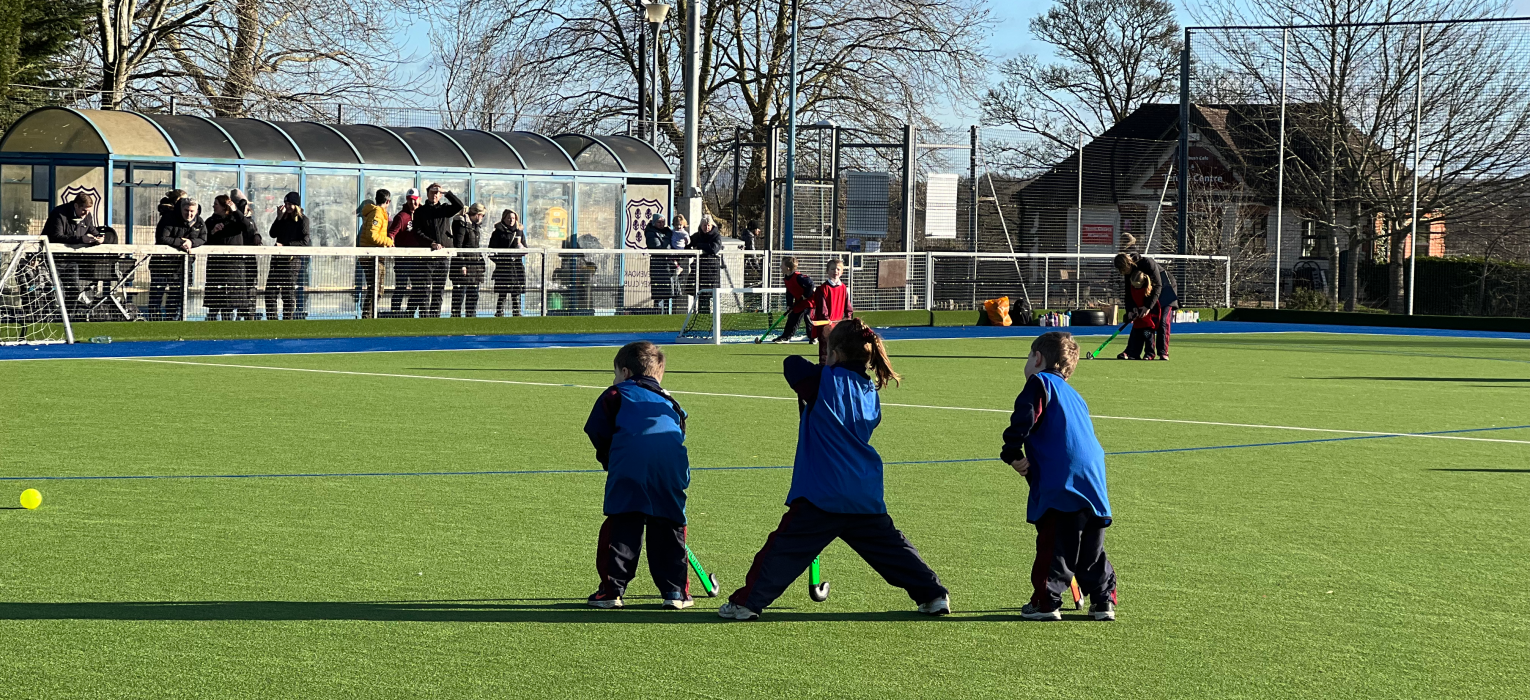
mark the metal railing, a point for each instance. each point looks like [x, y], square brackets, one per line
[132, 282]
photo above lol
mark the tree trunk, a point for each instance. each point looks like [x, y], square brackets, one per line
[1356, 245]
[1397, 274]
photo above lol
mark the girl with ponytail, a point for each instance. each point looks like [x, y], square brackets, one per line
[836, 487]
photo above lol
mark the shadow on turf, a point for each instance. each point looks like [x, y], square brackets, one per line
[1484, 471]
[509, 610]
[1438, 379]
[580, 371]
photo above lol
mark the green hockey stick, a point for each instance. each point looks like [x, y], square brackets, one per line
[708, 581]
[1101, 349]
[772, 327]
[818, 589]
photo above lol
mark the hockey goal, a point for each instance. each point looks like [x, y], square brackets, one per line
[734, 315]
[31, 299]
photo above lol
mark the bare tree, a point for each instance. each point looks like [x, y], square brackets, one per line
[860, 64]
[1113, 57]
[129, 33]
[279, 53]
[1351, 120]
[490, 74]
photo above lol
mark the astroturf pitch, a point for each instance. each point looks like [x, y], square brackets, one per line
[1285, 563]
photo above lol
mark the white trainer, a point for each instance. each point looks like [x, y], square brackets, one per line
[731, 611]
[679, 603]
[939, 606]
[1029, 612]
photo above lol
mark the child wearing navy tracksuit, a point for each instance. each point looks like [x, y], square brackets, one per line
[837, 481]
[799, 292]
[638, 430]
[1051, 442]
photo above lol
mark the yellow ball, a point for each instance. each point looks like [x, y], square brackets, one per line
[31, 499]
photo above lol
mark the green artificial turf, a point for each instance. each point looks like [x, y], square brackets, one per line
[1390, 567]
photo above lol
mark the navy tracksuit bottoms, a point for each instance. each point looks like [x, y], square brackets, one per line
[1071, 545]
[621, 539]
[806, 529]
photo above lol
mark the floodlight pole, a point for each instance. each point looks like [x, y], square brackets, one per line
[653, 134]
[789, 221]
[1184, 151]
[1418, 118]
[692, 196]
[1280, 168]
[1078, 229]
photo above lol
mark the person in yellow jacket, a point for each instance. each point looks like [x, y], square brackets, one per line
[374, 234]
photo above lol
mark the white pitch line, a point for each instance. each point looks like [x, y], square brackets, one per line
[476, 380]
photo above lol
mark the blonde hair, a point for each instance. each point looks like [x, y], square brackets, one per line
[1140, 280]
[295, 212]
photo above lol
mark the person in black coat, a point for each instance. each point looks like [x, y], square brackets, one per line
[509, 268]
[71, 224]
[467, 268]
[181, 227]
[290, 229]
[708, 240]
[228, 284]
[661, 268]
[1161, 300]
[433, 223]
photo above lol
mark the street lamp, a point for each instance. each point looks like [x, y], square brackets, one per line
[655, 12]
[790, 200]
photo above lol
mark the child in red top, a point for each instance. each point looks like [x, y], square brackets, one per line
[799, 292]
[1139, 345]
[831, 303]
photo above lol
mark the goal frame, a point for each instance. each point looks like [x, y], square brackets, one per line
[716, 337]
[45, 248]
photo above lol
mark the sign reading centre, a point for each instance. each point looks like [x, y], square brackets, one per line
[1099, 234]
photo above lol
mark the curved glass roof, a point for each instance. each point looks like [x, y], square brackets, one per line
[61, 130]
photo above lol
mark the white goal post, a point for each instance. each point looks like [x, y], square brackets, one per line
[733, 315]
[32, 306]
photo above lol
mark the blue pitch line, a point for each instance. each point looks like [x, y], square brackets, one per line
[719, 469]
[202, 348]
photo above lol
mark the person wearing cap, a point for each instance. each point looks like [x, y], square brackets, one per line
[467, 268]
[374, 234]
[290, 229]
[433, 223]
[408, 281]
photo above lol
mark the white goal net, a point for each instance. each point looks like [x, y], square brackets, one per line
[31, 299]
[734, 315]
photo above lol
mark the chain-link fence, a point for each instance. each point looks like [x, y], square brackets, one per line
[1320, 156]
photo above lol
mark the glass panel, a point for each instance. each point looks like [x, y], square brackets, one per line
[120, 196]
[201, 186]
[266, 190]
[599, 224]
[19, 215]
[331, 203]
[496, 196]
[149, 186]
[53, 131]
[73, 180]
[547, 213]
[450, 183]
[395, 183]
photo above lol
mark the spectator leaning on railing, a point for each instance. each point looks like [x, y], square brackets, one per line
[467, 268]
[509, 268]
[227, 288]
[433, 223]
[289, 230]
[71, 224]
[374, 234]
[407, 272]
[180, 228]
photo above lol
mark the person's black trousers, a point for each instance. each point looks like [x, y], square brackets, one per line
[465, 300]
[792, 319]
[435, 272]
[1140, 340]
[621, 540]
[806, 529]
[1070, 545]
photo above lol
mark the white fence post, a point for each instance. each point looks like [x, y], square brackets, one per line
[716, 316]
[929, 281]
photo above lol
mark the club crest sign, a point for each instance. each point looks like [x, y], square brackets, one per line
[639, 213]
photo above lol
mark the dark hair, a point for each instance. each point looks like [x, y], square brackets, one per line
[222, 199]
[1059, 352]
[640, 358]
[1124, 263]
[753, 225]
[856, 342]
[382, 197]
